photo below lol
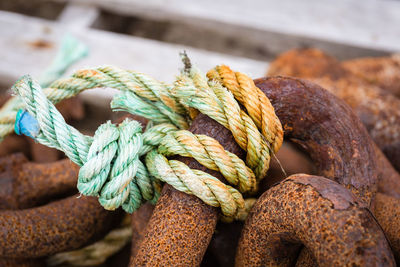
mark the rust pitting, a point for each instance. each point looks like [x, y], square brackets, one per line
[377, 108]
[313, 113]
[58, 226]
[66, 224]
[181, 226]
[350, 160]
[294, 213]
[335, 193]
[26, 184]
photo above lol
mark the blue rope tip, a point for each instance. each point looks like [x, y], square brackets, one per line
[26, 124]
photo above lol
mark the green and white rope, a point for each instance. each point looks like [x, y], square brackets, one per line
[99, 77]
[211, 154]
[219, 104]
[110, 161]
[113, 184]
[195, 182]
[111, 165]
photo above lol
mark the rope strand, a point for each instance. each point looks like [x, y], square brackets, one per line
[111, 166]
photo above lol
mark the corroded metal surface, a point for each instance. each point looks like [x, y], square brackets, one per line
[333, 156]
[291, 160]
[226, 236]
[11, 162]
[58, 226]
[381, 71]
[316, 212]
[328, 131]
[305, 259]
[389, 178]
[224, 242]
[140, 219]
[25, 184]
[387, 212]
[7, 262]
[378, 109]
[28, 230]
[13, 144]
[181, 226]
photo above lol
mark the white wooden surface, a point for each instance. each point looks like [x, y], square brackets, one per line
[344, 28]
[365, 27]
[19, 56]
[78, 16]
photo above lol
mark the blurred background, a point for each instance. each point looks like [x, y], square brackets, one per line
[48, 38]
[148, 35]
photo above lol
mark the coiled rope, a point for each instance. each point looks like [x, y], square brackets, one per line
[111, 160]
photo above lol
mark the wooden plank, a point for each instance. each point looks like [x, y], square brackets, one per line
[29, 44]
[345, 28]
[78, 15]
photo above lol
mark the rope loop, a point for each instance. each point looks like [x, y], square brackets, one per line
[210, 153]
[218, 102]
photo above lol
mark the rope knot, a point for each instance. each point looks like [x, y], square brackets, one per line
[112, 164]
[111, 168]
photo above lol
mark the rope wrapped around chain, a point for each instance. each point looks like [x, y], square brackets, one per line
[111, 160]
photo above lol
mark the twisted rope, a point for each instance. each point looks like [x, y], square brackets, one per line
[111, 165]
[112, 77]
[195, 182]
[218, 103]
[256, 102]
[111, 144]
[208, 152]
[111, 168]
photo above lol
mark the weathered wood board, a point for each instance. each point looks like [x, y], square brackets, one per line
[344, 28]
[29, 44]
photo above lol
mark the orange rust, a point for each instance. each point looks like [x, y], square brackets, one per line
[54, 227]
[26, 184]
[181, 226]
[318, 213]
[380, 71]
[377, 108]
[387, 212]
[386, 209]
[140, 219]
[61, 225]
[313, 114]
[359, 149]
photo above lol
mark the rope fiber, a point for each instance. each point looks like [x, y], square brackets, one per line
[124, 166]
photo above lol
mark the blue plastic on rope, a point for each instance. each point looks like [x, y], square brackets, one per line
[26, 124]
